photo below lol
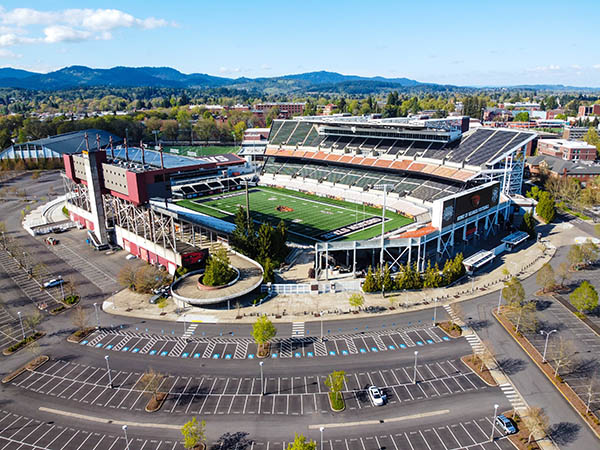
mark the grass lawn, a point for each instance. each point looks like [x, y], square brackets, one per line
[306, 216]
[202, 151]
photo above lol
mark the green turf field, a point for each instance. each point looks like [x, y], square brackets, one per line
[202, 151]
[307, 216]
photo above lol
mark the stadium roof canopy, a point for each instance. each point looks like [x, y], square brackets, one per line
[61, 144]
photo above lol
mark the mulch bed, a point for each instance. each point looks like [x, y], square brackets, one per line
[567, 392]
[451, 329]
[156, 402]
[475, 366]
[31, 365]
[519, 439]
[23, 343]
[80, 335]
[264, 350]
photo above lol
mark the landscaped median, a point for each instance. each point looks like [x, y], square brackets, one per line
[450, 328]
[23, 343]
[567, 392]
[31, 365]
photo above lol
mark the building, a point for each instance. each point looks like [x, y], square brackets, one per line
[286, 110]
[455, 184]
[568, 150]
[254, 144]
[587, 111]
[124, 196]
[574, 133]
[54, 147]
[552, 113]
[557, 167]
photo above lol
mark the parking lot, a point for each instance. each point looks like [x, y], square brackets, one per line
[586, 344]
[196, 346]
[10, 329]
[208, 395]
[21, 432]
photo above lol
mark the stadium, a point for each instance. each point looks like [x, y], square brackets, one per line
[433, 184]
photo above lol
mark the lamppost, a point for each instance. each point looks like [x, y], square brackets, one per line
[494, 423]
[381, 255]
[21, 322]
[547, 333]
[499, 300]
[155, 133]
[321, 429]
[124, 427]
[262, 381]
[434, 310]
[97, 318]
[110, 383]
[415, 372]
[321, 314]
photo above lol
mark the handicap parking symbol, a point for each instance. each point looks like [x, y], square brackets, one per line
[185, 355]
[274, 355]
[216, 356]
[310, 354]
[109, 346]
[402, 345]
[429, 341]
[297, 355]
[362, 350]
[227, 356]
[419, 343]
[135, 350]
[331, 353]
[153, 352]
[344, 352]
[251, 356]
[84, 342]
[164, 353]
[124, 349]
[99, 345]
[391, 347]
[374, 349]
[446, 338]
[196, 355]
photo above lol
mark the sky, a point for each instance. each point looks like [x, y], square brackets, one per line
[460, 42]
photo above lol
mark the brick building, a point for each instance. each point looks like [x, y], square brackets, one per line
[567, 150]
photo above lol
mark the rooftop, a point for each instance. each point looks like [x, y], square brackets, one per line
[74, 142]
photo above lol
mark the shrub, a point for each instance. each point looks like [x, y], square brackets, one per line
[218, 271]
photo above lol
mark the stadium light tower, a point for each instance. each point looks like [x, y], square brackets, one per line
[384, 186]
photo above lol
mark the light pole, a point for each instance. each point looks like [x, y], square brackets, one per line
[110, 383]
[321, 429]
[262, 381]
[499, 300]
[124, 427]
[434, 310]
[494, 423]
[547, 333]
[381, 255]
[21, 322]
[155, 133]
[97, 318]
[415, 372]
[321, 326]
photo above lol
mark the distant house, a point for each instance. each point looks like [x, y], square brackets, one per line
[558, 167]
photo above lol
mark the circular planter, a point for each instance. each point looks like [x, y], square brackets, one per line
[204, 287]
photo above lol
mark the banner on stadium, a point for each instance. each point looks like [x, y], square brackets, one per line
[465, 204]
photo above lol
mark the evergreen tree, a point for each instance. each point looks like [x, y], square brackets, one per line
[546, 208]
[265, 241]
[386, 280]
[528, 224]
[369, 285]
[432, 277]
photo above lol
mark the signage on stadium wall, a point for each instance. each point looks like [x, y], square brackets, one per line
[465, 204]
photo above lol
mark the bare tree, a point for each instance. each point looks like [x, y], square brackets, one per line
[151, 382]
[80, 318]
[39, 271]
[486, 357]
[562, 353]
[592, 389]
[545, 278]
[525, 314]
[126, 276]
[33, 320]
[536, 421]
[563, 273]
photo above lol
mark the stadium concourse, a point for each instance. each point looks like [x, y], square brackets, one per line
[455, 186]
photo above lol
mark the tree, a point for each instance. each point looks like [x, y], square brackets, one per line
[300, 443]
[585, 297]
[545, 278]
[335, 382]
[387, 284]
[356, 300]
[268, 270]
[148, 278]
[263, 330]
[432, 277]
[126, 276]
[151, 381]
[513, 291]
[194, 433]
[546, 208]
[218, 271]
[575, 256]
[561, 352]
[80, 318]
[589, 252]
[370, 284]
[563, 273]
[265, 241]
[528, 224]
[33, 320]
[523, 116]
[536, 421]
[592, 138]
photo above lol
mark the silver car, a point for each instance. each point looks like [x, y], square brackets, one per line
[375, 395]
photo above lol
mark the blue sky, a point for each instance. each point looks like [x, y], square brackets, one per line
[459, 42]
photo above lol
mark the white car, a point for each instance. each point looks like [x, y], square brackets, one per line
[54, 282]
[130, 257]
[375, 395]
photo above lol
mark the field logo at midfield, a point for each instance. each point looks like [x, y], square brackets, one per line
[348, 229]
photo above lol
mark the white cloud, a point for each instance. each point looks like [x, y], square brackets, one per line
[265, 67]
[596, 66]
[61, 33]
[69, 25]
[549, 68]
[5, 53]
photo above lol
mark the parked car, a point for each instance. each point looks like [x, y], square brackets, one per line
[375, 395]
[505, 424]
[130, 257]
[53, 282]
[51, 241]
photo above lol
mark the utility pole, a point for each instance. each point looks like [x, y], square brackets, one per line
[381, 255]
[247, 206]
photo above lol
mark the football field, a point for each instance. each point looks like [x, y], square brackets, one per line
[306, 216]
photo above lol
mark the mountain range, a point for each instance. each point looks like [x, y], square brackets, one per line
[166, 77]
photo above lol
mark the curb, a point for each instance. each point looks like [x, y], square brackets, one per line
[585, 419]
